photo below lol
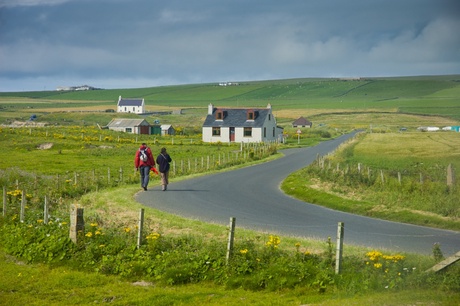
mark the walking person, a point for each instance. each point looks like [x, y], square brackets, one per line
[144, 161]
[163, 160]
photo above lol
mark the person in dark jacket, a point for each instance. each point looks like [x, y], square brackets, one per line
[143, 161]
[163, 160]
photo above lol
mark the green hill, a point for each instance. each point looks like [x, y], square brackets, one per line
[432, 95]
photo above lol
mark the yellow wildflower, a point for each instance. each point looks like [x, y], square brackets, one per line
[89, 234]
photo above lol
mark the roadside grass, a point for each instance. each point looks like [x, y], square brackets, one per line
[414, 170]
[36, 284]
[57, 284]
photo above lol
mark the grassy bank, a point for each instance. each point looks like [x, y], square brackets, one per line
[66, 281]
[398, 176]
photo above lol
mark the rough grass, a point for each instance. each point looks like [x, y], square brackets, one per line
[414, 156]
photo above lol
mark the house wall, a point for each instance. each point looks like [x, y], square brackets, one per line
[131, 109]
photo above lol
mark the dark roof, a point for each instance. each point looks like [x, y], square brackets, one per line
[236, 117]
[301, 121]
[130, 102]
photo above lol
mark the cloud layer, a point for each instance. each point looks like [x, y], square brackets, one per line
[121, 44]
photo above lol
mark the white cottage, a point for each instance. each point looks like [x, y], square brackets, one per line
[136, 106]
[240, 125]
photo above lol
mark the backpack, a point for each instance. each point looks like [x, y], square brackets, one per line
[143, 155]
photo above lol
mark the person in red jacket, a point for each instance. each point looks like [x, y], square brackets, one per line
[143, 161]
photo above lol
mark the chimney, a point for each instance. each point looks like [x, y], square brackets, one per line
[210, 109]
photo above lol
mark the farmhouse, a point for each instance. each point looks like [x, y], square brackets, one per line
[134, 126]
[241, 125]
[302, 122]
[136, 106]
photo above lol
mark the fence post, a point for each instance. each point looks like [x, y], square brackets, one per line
[450, 176]
[23, 206]
[4, 201]
[77, 223]
[339, 251]
[45, 211]
[141, 228]
[108, 175]
[231, 237]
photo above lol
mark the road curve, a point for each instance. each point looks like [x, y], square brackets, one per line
[252, 195]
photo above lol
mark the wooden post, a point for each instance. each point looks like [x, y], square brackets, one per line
[45, 211]
[121, 174]
[399, 178]
[339, 251]
[445, 263]
[75, 178]
[141, 228]
[4, 201]
[231, 237]
[77, 224]
[381, 175]
[23, 206]
[450, 176]
[108, 175]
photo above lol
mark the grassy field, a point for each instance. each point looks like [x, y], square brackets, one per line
[380, 106]
[415, 95]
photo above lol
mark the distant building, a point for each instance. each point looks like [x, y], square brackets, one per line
[133, 126]
[136, 106]
[76, 88]
[167, 129]
[302, 122]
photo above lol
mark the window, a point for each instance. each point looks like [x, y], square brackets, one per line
[265, 132]
[250, 115]
[129, 130]
[269, 117]
[219, 115]
[216, 131]
[273, 132]
[247, 132]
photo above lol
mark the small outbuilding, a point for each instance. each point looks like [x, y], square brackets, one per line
[134, 126]
[302, 122]
[167, 129]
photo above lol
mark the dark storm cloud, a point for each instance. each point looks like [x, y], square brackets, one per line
[117, 43]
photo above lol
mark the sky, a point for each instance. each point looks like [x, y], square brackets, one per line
[108, 44]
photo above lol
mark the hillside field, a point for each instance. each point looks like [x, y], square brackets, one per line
[315, 99]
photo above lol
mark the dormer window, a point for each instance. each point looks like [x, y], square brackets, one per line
[251, 115]
[219, 115]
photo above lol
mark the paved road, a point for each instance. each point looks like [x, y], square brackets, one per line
[252, 195]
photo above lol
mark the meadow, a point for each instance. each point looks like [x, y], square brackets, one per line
[182, 261]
